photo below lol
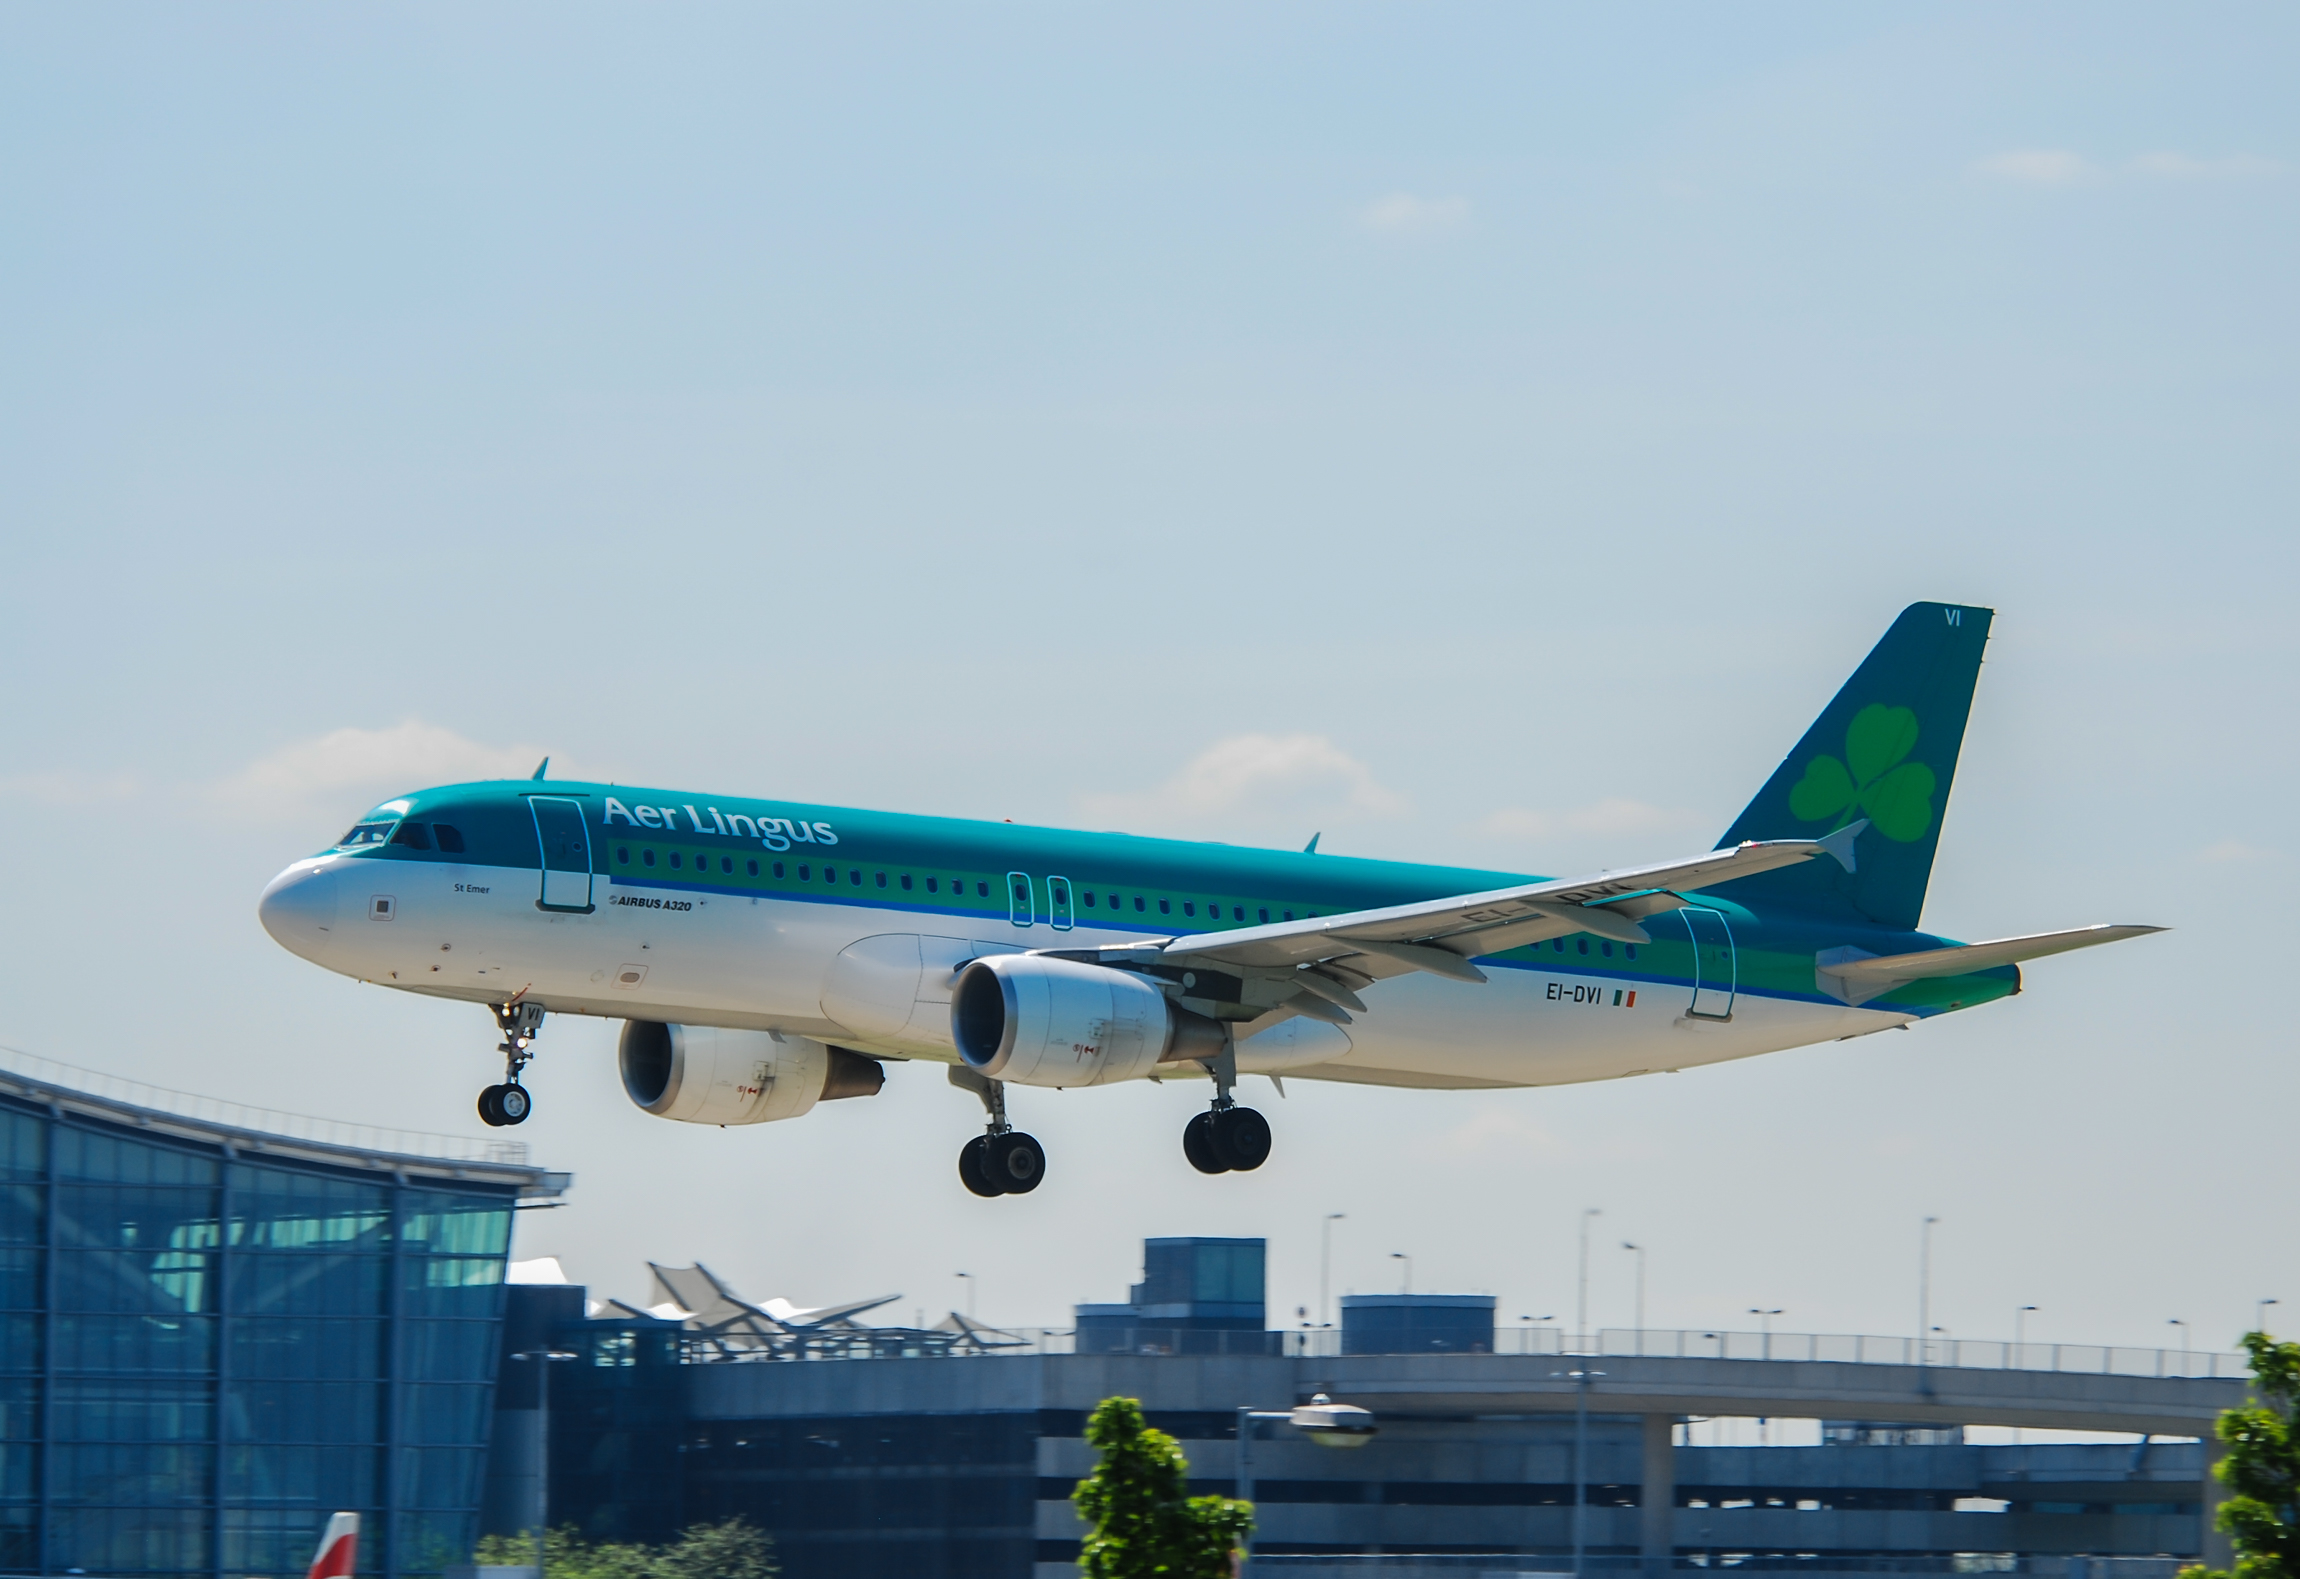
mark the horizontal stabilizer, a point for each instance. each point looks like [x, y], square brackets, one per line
[1853, 976]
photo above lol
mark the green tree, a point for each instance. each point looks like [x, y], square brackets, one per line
[1145, 1524]
[2261, 1467]
[729, 1550]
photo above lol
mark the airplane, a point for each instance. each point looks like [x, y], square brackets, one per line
[765, 955]
[338, 1555]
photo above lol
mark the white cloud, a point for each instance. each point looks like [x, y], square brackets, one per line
[2180, 167]
[1606, 817]
[1256, 782]
[2236, 850]
[346, 770]
[1404, 214]
[2038, 167]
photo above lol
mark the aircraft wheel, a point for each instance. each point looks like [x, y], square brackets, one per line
[1242, 1138]
[1017, 1162]
[974, 1167]
[489, 1113]
[513, 1104]
[1198, 1145]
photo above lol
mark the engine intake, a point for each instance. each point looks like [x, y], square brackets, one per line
[701, 1074]
[1040, 1021]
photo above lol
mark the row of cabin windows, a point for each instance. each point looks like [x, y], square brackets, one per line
[1189, 907]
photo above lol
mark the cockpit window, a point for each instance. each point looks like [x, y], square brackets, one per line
[367, 833]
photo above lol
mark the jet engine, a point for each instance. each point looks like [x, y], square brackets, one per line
[1040, 1021]
[700, 1074]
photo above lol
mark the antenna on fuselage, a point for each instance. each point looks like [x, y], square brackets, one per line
[539, 767]
[1312, 847]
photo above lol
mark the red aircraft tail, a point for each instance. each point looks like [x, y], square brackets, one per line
[338, 1548]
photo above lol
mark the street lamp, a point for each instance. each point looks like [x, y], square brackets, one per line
[2020, 1330]
[969, 1276]
[1326, 1265]
[543, 1359]
[1925, 1290]
[1525, 1344]
[1639, 1251]
[1765, 1324]
[2175, 1321]
[1581, 1380]
[1400, 1255]
[1323, 1421]
[1581, 1307]
[2260, 1314]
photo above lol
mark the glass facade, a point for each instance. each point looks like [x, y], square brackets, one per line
[205, 1356]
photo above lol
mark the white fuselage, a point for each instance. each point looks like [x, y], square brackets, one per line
[872, 979]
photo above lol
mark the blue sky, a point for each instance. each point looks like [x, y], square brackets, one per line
[1484, 433]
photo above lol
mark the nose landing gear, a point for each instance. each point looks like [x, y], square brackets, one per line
[510, 1103]
[1001, 1160]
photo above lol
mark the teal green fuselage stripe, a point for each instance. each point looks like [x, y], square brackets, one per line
[1774, 948]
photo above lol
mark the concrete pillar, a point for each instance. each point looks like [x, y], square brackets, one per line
[1657, 1495]
[2219, 1550]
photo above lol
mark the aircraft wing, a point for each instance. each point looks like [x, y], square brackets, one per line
[1443, 935]
[1853, 977]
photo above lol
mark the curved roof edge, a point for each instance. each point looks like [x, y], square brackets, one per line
[251, 1132]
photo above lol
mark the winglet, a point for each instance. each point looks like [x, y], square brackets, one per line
[1838, 844]
[539, 767]
[1312, 847]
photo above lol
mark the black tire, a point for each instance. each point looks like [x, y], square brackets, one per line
[513, 1103]
[1242, 1138]
[974, 1167]
[1017, 1162]
[1198, 1145]
[489, 1113]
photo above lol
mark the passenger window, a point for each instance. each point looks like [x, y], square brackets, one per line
[450, 838]
[854, 876]
[1019, 909]
[1189, 907]
[906, 882]
[882, 879]
[751, 868]
[1289, 915]
[982, 890]
[1165, 907]
[1558, 944]
[1058, 914]
[622, 855]
[934, 885]
[805, 875]
[1088, 896]
[1629, 949]
[1138, 904]
[778, 868]
[1262, 915]
[647, 856]
[1582, 944]
[1606, 949]
[1238, 912]
[674, 860]
[727, 865]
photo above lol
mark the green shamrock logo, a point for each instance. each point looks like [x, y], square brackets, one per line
[1872, 781]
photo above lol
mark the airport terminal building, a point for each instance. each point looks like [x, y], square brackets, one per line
[222, 1325]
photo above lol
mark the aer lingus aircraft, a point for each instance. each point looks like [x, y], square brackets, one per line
[765, 955]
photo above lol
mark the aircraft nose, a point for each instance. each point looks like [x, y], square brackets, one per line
[298, 908]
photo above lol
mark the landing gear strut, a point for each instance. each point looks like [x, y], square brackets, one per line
[1226, 1138]
[1001, 1160]
[509, 1102]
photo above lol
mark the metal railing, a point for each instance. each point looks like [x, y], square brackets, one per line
[1612, 1342]
[34, 1072]
[1530, 1565]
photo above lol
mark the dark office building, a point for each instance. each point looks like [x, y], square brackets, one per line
[1197, 1296]
[217, 1334]
[1417, 1323]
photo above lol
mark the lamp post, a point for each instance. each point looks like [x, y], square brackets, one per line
[1323, 1421]
[2175, 1321]
[543, 1359]
[2260, 1314]
[1765, 1324]
[1400, 1255]
[1525, 1345]
[1581, 1379]
[1581, 1307]
[969, 1276]
[1925, 1290]
[1326, 1265]
[1639, 1251]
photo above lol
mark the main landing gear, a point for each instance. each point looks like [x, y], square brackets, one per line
[1001, 1160]
[509, 1103]
[1227, 1138]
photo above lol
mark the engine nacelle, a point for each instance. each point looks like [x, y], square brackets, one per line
[1039, 1021]
[701, 1074]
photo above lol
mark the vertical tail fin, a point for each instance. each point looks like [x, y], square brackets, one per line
[338, 1548]
[1883, 752]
